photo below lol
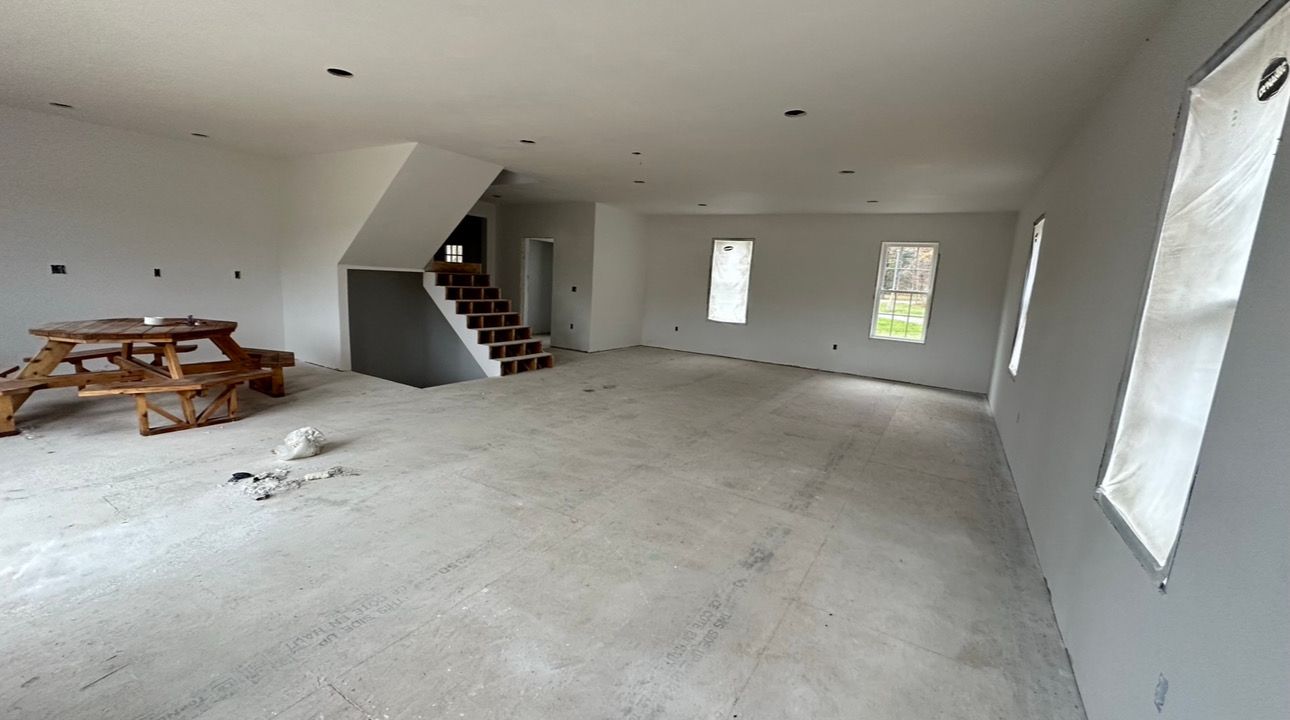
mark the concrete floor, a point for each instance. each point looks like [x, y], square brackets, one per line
[635, 534]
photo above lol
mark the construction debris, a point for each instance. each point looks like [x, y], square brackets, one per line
[279, 480]
[302, 443]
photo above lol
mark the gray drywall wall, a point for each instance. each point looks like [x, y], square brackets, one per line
[329, 198]
[572, 225]
[1221, 635]
[112, 205]
[539, 259]
[812, 286]
[617, 313]
[397, 333]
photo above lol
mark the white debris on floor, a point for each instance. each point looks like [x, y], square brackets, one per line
[280, 480]
[302, 443]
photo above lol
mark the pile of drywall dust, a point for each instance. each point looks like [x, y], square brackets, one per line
[281, 480]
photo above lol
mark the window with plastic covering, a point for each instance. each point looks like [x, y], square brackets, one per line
[1232, 120]
[728, 284]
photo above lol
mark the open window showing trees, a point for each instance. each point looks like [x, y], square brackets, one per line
[1027, 287]
[1234, 115]
[903, 298]
[728, 283]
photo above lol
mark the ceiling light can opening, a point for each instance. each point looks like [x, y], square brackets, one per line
[639, 182]
[65, 106]
[199, 135]
[794, 112]
[846, 172]
[526, 141]
[339, 72]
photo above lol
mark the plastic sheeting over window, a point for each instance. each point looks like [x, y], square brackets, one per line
[1014, 362]
[1234, 120]
[728, 286]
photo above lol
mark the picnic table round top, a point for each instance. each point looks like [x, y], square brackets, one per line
[134, 330]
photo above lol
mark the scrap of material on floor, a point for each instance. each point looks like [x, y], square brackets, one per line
[634, 534]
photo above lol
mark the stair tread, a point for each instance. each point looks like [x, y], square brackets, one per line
[524, 357]
[512, 342]
[508, 312]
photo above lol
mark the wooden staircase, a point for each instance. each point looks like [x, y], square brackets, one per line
[497, 326]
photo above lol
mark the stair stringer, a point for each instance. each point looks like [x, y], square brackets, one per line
[468, 336]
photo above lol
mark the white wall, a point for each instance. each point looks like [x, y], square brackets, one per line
[420, 208]
[812, 286]
[1221, 635]
[573, 226]
[328, 199]
[112, 205]
[618, 306]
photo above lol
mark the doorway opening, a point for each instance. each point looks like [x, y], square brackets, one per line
[539, 268]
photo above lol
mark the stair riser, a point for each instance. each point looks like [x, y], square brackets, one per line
[492, 321]
[460, 280]
[492, 336]
[474, 293]
[465, 307]
[504, 351]
[514, 367]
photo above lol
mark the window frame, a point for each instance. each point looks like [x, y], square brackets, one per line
[878, 290]
[1027, 294]
[712, 261]
[1160, 572]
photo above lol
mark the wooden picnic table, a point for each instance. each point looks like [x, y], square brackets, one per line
[132, 341]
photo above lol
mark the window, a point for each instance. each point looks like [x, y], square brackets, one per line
[728, 285]
[1233, 119]
[454, 253]
[1027, 287]
[903, 300]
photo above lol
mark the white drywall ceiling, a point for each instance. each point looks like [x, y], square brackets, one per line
[939, 105]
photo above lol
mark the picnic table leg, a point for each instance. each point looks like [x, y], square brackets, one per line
[42, 364]
[7, 410]
[172, 359]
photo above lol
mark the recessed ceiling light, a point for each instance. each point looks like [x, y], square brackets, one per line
[873, 202]
[703, 204]
[795, 112]
[636, 152]
[62, 105]
[846, 172]
[529, 142]
[639, 182]
[340, 72]
[497, 196]
[203, 135]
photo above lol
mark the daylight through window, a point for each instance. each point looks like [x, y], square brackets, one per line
[1037, 238]
[903, 301]
[454, 253]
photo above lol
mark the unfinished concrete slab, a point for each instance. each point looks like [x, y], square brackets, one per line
[634, 534]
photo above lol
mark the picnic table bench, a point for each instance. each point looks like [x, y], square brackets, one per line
[132, 342]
